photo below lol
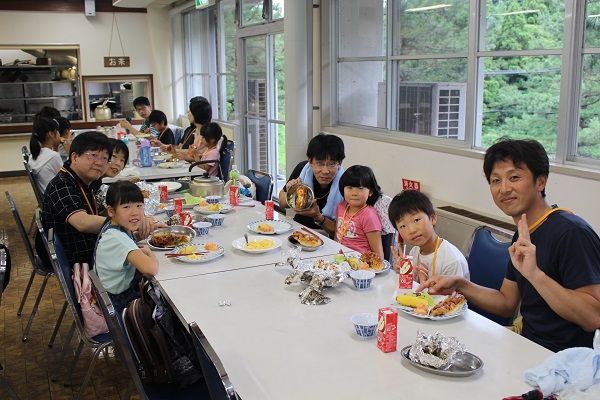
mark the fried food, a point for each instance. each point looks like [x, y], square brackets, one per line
[301, 198]
[450, 305]
[211, 247]
[375, 263]
[306, 239]
[168, 239]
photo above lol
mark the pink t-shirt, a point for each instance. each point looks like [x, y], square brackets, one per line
[366, 220]
[212, 154]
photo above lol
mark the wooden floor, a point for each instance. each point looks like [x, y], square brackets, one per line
[29, 365]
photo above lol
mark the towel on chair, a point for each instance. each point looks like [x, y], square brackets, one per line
[334, 197]
[575, 367]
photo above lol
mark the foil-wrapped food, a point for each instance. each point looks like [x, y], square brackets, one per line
[437, 350]
[149, 191]
[317, 274]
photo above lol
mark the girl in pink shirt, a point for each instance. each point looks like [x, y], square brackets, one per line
[211, 134]
[357, 223]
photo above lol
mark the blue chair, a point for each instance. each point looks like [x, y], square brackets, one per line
[263, 182]
[166, 391]
[488, 260]
[3, 382]
[218, 383]
[225, 161]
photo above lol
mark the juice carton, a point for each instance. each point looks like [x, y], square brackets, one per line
[405, 278]
[234, 193]
[164, 193]
[387, 328]
[269, 210]
[178, 203]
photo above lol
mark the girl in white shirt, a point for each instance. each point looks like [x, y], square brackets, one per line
[45, 162]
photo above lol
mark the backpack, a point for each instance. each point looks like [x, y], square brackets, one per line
[93, 321]
[7, 271]
[162, 350]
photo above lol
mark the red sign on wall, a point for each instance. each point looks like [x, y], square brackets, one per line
[410, 185]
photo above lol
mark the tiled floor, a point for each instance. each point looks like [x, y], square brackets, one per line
[29, 365]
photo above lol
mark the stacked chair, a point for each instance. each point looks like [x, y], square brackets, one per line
[63, 271]
[3, 382]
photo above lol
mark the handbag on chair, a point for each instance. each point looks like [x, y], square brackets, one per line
[93, 321]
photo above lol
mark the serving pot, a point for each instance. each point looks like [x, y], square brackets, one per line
[103, 112]
[202, 186]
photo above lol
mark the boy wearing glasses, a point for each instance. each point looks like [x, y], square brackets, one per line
[322, 172]
[143, 108]
[70, 206]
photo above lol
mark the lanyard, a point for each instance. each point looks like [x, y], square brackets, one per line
[545, 216]
[93, 210]
[163, 131]
[345, 225]
[185, 139]
[437, 246]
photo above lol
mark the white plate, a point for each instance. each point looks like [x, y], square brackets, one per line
[204, 258]
[240, 244]
[279, 226]
[386, 266]
[171, 165]
[171, 186]
[207, 211]
[410, 310]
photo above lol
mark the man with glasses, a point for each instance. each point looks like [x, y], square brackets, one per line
[70, 206]
[143, 108]
[322, 172]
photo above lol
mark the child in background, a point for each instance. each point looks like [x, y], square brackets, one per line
[117, 257]
[64, 128]
[44, 161]
[158, 120]
[357, 223]
[415, 219]
[143, 108]
[210, 133]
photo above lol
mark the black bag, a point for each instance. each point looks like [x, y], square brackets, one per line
[7, 272]
[162, 348]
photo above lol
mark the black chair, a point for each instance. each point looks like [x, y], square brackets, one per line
[197, 391]
[3, 382]
[39, 267]
[225, 161]
[488, 260]
[39, 196]
[386, 241]
[63, 271]
[263, 182]
[217, 380]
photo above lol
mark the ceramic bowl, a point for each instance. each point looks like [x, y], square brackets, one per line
[213, 199]
[365, 324]
[216, 219]
[362, 279]
[201, 228]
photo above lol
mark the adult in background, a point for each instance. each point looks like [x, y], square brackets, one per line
[322, 172]
[199, 114]
[554, 267]
[70, 206]
[45, 162]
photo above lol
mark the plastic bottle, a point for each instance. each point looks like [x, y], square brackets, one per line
[126, 141]
[132, 146]
[233, 175]
[234, 192]
[145, 156]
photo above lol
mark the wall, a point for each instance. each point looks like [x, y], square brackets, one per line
[145, 38]
[459, 180]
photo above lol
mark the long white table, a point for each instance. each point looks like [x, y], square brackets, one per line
[273, 347]
[155, 173]
[234, 226]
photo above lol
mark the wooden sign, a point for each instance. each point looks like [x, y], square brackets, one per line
[116, 62]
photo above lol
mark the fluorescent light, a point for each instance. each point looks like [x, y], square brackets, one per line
[519, 12]
[429, 7]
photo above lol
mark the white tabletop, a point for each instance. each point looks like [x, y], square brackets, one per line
[234, 226]
[154, 173]
[273, 347]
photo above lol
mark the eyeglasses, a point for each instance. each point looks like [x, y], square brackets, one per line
[329, 165]
[140, 109]
[97, 158]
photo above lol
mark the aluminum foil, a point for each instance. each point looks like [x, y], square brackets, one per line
[151, 197]
[317, 274]
[435, 350]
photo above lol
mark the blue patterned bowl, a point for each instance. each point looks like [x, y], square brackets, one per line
[216, 219]
[201, 228]
[365, 324]
[362, 279]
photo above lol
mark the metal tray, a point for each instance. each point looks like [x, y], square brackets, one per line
[465, 364]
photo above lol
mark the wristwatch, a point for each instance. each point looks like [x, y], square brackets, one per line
[319, 223]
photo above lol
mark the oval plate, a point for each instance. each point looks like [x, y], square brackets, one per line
[466, 364]
[240, 244]
[171, 165]
[202, 258]
[410, 311]
[177, 229]
[279, 226]
[224, 207]
[293, 242]
[171, 186]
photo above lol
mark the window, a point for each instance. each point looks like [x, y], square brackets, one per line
[471, 72]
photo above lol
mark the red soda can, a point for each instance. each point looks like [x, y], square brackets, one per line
[178, 203]
[233, 195]
[185, 219]
[164, 195]
[269, 210]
